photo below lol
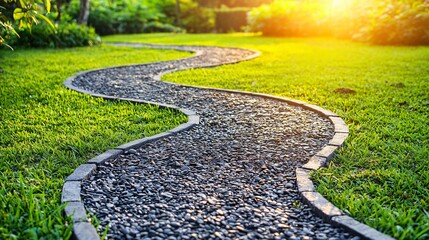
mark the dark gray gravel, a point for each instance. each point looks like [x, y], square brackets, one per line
[230, 177]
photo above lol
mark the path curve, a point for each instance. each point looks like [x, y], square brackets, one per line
[221, 175]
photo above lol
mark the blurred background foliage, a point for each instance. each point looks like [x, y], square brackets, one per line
[386, 22]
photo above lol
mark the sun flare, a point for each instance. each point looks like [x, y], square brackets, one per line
[341, 4]
[338, 3]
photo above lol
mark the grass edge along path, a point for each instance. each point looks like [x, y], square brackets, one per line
[47, 130]
[381, 176]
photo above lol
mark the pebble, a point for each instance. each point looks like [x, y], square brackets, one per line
[132, 151]
[229, 177]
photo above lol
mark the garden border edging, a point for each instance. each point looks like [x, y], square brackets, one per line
[83, 229]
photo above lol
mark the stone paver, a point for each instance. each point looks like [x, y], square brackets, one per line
[71, 191]
[81, 172]
[362, 230]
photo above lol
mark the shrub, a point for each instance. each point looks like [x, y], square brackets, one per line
[393, 22]
[120, 17]
[288, 18]
[161, 27]
[126, 16]
[66, 35]
[138, 16]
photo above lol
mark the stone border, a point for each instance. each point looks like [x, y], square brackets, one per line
[83, 229]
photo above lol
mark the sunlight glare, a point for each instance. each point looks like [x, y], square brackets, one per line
[337, 5]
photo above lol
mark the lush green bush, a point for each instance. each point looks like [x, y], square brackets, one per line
[394, 22]
[140, 16]
[288, 18]
[126, 16]
[153, 27]
[66, 35]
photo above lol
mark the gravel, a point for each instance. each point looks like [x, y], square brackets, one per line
[230, 177]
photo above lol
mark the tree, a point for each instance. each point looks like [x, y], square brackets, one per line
[84, 12]
[59, 5]
[178, 13]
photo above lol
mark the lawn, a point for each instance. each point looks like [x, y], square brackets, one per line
[46, 130]
[381, 176]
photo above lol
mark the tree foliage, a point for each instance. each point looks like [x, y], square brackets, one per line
[25, 13]
[40, 23]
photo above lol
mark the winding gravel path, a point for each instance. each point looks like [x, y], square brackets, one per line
[232, 176]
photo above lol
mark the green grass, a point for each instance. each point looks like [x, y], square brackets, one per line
[46, 131]
[381, 176]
